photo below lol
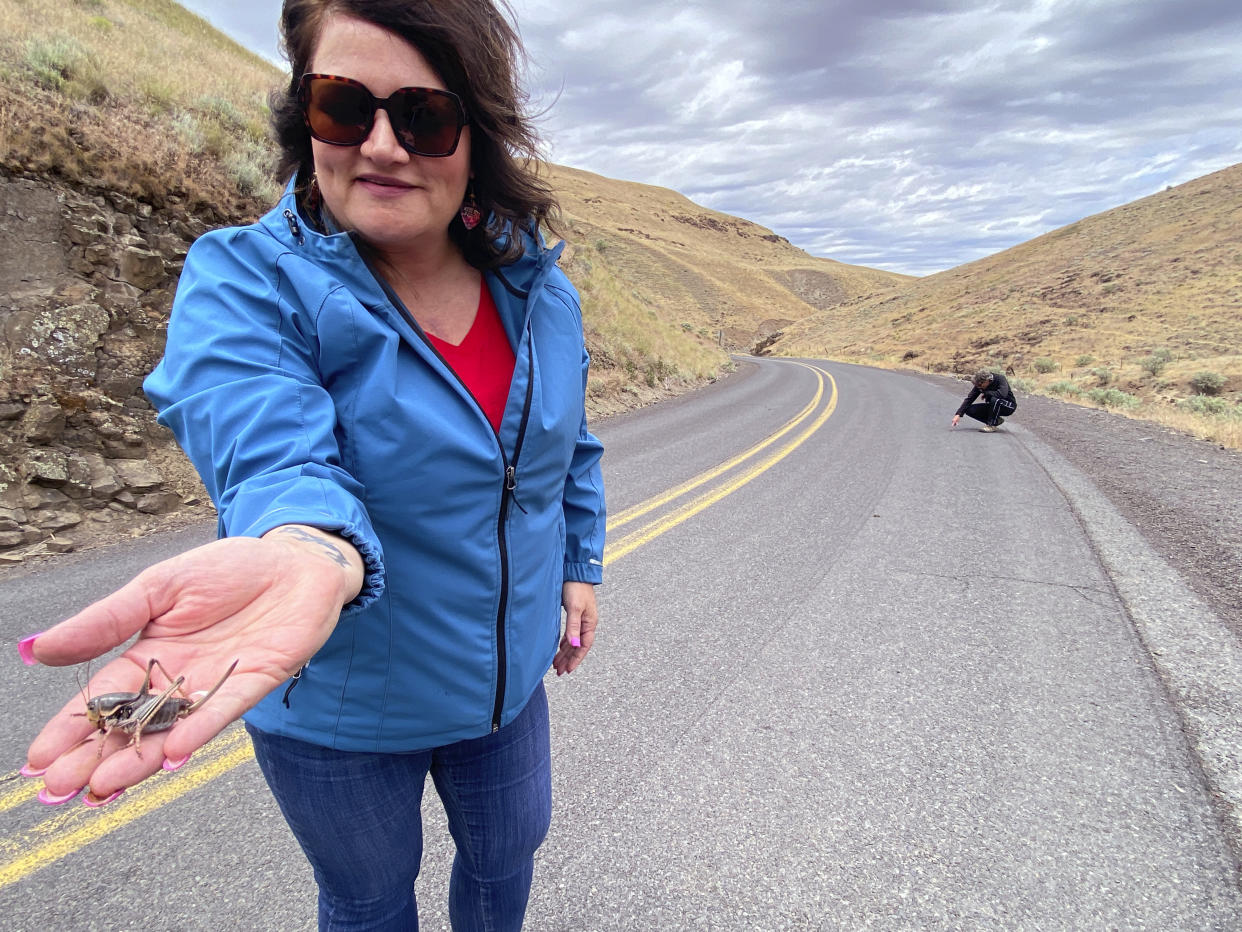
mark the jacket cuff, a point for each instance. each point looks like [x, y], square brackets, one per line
[592, 572]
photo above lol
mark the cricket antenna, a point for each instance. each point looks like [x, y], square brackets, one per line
[86, 697]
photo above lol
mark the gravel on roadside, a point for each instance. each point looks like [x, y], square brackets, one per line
[1184, 495]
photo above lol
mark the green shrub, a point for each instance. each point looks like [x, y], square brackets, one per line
[250, 168]
[1102, 375]
[1112, 398]
[1217, 407]
[62, 64]
[1022, 385]
[657, 371]
[1207, 383]
[1065, 387]
[1045, 365]
[224, 112]
[56, 61]
[1153, 364]
[159, 94]
[188, 130]
[1084, 361]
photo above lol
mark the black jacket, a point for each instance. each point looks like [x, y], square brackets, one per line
[997, 388]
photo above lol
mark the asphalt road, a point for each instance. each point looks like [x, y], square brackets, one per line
[877, 674]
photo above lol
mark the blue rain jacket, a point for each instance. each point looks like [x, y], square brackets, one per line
[305, 394]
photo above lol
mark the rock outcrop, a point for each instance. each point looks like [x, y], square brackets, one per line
[86, 281]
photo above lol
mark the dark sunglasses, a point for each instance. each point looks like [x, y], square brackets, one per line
[341, 112]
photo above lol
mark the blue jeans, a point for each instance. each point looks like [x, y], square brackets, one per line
[358, 818]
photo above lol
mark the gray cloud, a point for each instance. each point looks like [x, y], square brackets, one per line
[905, 135]
[912, 135]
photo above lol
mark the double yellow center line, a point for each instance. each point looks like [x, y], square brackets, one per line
[76, 826]
[635, 539]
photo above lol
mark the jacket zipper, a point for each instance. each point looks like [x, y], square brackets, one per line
[509, 493]
[509, 483]
[294, 227]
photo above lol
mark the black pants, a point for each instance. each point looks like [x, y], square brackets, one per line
[989, 409]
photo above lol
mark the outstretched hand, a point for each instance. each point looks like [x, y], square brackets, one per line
[956, 418]
[267, 603]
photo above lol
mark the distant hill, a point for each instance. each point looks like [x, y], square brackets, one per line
[668, 287]
[716, 269]
[1142, 298]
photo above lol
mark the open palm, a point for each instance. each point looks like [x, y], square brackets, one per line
[266, 603]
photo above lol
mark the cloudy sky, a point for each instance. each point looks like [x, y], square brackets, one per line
[909, 135]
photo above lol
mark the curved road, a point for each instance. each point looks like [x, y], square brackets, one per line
[855, 671]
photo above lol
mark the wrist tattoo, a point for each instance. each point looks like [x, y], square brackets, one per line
[329, 549]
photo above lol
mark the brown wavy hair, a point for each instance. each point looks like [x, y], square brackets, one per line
[476, 51]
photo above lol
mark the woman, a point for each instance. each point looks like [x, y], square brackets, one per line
[381, 384]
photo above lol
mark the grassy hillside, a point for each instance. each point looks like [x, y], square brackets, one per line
[719, 268]
[146, 99]
[1138, 308]
[140, 97]
[669, 286]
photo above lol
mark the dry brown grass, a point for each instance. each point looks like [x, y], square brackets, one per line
[669, 287]
[1226, 431]
[140, 50]
[723, 274]
[139, 96]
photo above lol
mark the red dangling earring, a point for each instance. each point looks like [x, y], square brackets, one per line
[470, 213]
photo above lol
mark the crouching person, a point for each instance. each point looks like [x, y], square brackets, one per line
[998, 401]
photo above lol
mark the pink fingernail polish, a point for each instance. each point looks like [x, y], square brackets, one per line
[25, 647]
[171, 765]
[93, 802]
[28, 771]
[575, 642]
[50, 800]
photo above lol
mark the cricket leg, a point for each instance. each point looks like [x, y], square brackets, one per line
[144, 713]
[211, 692]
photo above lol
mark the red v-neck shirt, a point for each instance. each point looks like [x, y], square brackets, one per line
[484, 359]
